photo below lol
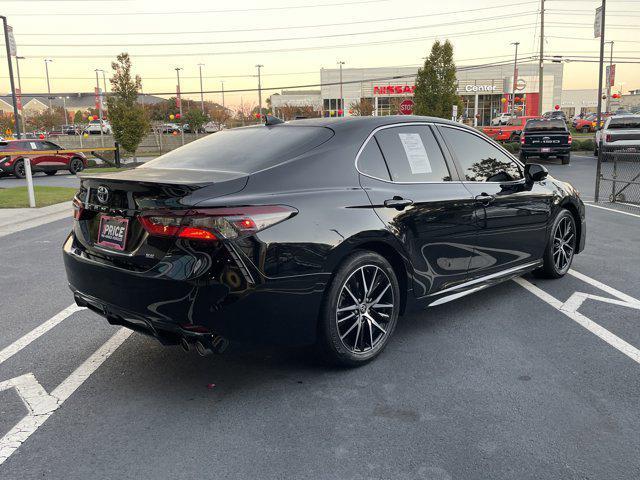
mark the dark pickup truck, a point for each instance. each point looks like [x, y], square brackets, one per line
[546, 138]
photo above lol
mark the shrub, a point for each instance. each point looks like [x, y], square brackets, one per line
[512, 147]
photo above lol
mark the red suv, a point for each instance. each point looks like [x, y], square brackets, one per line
[47, 162]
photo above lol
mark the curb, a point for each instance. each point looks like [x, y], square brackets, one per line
[19, 219]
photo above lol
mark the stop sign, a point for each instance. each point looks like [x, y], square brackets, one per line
[406, 107]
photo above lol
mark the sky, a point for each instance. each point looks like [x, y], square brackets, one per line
[294, 39]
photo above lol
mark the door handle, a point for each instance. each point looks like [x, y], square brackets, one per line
[398, 202]
[484, 199]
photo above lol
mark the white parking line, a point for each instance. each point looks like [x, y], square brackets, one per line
[569, 308]
[588, 204]
[37, 332]
[41, 405]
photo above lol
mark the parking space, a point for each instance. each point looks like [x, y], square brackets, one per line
[529, 379]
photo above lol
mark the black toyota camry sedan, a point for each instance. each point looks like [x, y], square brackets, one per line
[314, 232]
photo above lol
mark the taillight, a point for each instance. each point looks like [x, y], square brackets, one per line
[607, 138]
[522, 139]
[570, 139]
[210, 224]
[78, 209]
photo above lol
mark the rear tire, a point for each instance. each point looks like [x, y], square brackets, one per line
[561, 246]
[566, 159]
[360, 310]
[19, 169]
[51, 173]
[585, 129]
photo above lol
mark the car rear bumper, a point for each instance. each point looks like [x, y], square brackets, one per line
[269, 311]
[552, 150]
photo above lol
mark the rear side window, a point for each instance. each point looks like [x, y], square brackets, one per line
[371, 162]
[412, 154]
[479, 159]
[244, 150]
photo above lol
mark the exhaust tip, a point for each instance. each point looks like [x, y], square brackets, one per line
[185, 344]
[202, 350]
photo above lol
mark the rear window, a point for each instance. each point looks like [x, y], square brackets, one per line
[545, 126]
[244, 150]
[622, 123]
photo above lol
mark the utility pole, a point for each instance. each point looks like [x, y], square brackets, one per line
[515, 80]
[541, 70]
[180, 103]
[22, 113]
[608, 105]
[341, 105]
[13, 89]
[200, 65]
[222, 83]
[47, 61]
[600, 64]
[259, 90]
[99, 107]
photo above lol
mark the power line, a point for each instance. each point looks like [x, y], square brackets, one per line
[296, 49]
[267, 29]
[194, 12]
[282, 39]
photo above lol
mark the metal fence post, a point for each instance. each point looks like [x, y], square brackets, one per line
[117, 154]
[29, 176]
[615, 176]
[598, 172]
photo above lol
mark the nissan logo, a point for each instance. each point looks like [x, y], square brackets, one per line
[103, 194]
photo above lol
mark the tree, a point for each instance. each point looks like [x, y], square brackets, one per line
[78, 117]
[196, 119]
[436, 85]
[220, 115]
[128, 119]
[361, 108]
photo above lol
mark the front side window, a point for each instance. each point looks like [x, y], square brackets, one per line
[412, 154]
[480, 161]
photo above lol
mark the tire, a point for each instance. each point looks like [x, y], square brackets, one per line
[595, 152]
[358, 333]
[585, 129]
[18, 169]
[75, 165]
[557, 264]
[51, 173]
[566, 159]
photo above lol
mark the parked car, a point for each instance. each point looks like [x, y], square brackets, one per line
[620, 132]
[212, 127]
[318, 231]
[187, 129]
[48, 162]
[545, 138]
[509, 132]
[555, 115]
[501, 119]
[169, 128]
[586, 124]
[65, 130]
[95, 126]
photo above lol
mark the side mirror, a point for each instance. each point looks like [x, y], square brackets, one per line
[534, 172]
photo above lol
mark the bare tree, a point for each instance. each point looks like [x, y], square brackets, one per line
[361, 108]
[290, 112]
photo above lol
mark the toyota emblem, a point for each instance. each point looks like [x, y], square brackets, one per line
[103, 194]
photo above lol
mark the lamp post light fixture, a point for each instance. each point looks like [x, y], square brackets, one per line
[200, 65]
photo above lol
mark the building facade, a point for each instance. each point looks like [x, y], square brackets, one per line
[482, 89]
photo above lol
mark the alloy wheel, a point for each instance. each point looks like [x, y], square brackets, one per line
[20, 170]
[76, 165]
[365, 309]
[564, 239]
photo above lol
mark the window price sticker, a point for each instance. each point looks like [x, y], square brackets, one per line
[416, 153]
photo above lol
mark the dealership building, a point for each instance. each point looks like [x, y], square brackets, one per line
[481, 88]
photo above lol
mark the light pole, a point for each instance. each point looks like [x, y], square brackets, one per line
[608, 107]
[22, 114]
[64, 106]
[600, 65]
[515, 79]
[47, 61]
[259, 90]
[200, 65]
[180, 103]
[222, 83]
[99, 107]
[16, 120]
[340, 105]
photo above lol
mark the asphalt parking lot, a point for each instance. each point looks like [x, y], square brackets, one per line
[529, 379]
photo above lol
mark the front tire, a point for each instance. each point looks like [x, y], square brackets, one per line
[19, 170]
[75, 166]
[561, 246]
[360, 310]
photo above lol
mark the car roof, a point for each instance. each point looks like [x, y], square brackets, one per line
[339, 122]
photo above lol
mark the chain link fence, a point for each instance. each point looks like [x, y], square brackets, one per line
[618, 176]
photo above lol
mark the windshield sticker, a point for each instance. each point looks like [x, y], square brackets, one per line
[416, 153]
